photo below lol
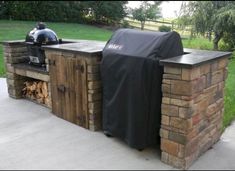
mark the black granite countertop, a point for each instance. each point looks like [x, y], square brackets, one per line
[80, 46]
[191, 58]
[194, 57]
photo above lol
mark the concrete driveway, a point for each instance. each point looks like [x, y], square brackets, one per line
[32, 138]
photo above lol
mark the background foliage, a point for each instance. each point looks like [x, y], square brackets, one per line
[105, 12]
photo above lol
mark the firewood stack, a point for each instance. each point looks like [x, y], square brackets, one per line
[36, 90]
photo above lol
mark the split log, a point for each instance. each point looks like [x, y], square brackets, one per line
[36, 90]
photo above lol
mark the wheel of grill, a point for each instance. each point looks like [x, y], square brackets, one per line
[140, 149]
[107, 134]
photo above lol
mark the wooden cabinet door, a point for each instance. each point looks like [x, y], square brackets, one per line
[80, 76]
[69, 89]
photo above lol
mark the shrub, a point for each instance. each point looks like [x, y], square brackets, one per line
[164, 28]
[125, 24]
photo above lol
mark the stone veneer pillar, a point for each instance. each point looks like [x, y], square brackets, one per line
[192, 107]
[14, 52]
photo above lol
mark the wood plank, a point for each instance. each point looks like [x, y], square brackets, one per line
[78, 88]
[85, 94]
[53, 85]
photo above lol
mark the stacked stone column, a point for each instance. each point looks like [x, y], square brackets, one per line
[14, 52]
[192, 110]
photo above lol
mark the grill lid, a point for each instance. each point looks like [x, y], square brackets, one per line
[41, 35]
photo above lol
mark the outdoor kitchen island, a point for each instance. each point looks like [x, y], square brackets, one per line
[192, 94]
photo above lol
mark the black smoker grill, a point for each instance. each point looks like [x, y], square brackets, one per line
[131, 79]
[35, 39]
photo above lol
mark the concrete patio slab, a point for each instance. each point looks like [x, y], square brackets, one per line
[32, 138]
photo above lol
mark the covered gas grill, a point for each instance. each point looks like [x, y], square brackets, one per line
[35, 39]
[131, 79]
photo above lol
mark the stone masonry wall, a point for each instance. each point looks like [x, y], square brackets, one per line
[16, 52]
[192, 111]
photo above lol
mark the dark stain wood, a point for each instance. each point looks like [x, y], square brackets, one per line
[69, 88]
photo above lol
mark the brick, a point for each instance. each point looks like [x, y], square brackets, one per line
[166, 81]
[220, 103]
[93, 68]
[169, 95]
[176, 162]
[164, 157]
[172, 76]
[14, 76]
[15, 49]
[165, 120]
[177, 137]
[218, 94]
[196, 119]
[192, 134]
[217, 77]
[214, 66]
[208, 79]
[169, 146]
[181, 87]
[94, 105]
[202, 105]
[172, 70]
[181, 103]
[93, 77]
[170, 110]
[225, 74]
[16, 55]
[166, 100]
[22, 59]
[205, 69]
[202, 125]
[192, 146]
[166, 88]
[210, 90]
[199, 84]
[186, 113]
[94, 97]
[211, 109]
[221, 86]
[164, 133]
[181, 151]
[190, 74]
[94, 85]
[189, 160]
[222, 63]
[178, 123]
[9, 68]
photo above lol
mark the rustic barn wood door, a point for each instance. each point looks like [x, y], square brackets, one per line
[69, 89]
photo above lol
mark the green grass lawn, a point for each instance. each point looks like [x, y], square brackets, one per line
[12, 30]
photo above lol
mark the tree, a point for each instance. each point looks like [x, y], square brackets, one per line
[146, 11]
[211, 17]
[106, 11]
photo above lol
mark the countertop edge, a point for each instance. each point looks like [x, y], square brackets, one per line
[192, 53]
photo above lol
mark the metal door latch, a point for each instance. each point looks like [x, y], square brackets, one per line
[80, 67]
[61, 88]
[51, 62]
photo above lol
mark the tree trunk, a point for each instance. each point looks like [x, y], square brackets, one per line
[142, 25]
[218, 36]
[209, 35]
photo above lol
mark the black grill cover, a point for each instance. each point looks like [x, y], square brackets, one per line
[131, 78]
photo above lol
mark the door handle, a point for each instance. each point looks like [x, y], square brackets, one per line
[61, 88]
